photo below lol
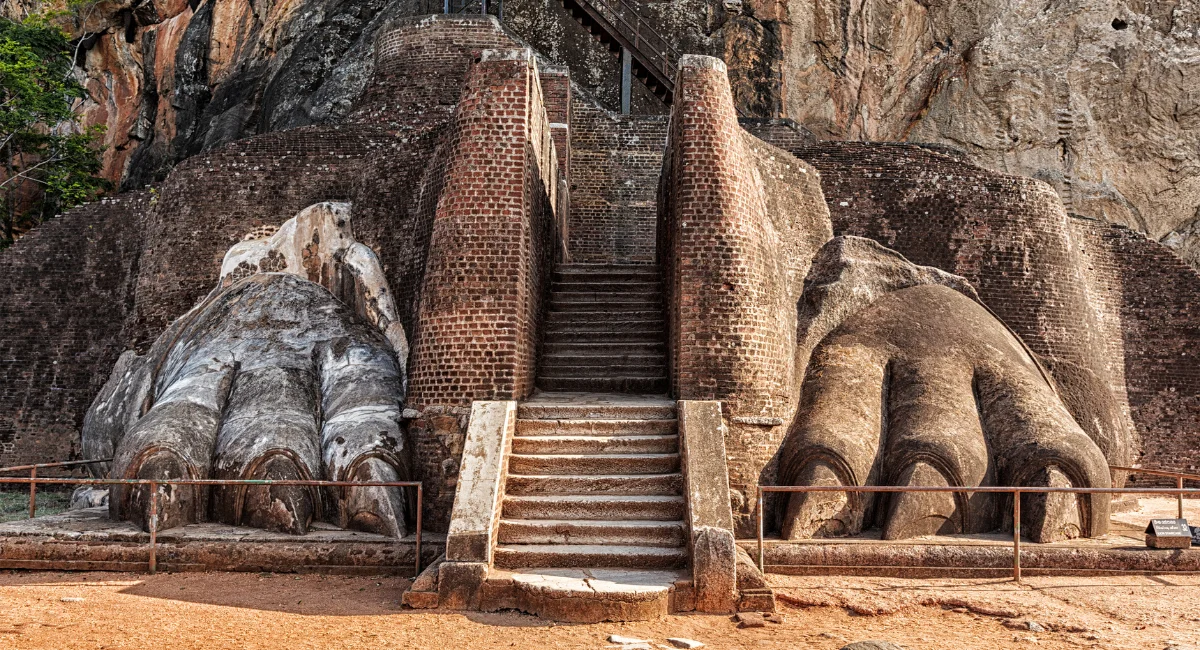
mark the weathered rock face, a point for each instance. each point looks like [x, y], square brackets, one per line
[1096, 97]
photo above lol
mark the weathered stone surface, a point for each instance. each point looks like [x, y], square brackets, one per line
[476, 514]
[594, 595]
[271, 377]
[962, 401]
[710, 520]
[1092, 96]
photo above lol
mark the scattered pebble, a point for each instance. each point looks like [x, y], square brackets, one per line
[71, 599]
[1033, 626]
[778, 619]
[684, 643]
[624, 640]
[872, 644]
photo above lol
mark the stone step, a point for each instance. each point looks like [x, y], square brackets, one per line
[613, 407]
[590, 596]
[633, 385]
[600, 370]
[599, 273]
[665, 534]
[645, 335]
[596, 427]
[597, 357]
[627, 286]
[612, 484]
[593, 506]
[594, 295]
[584, 464]
[540, 445]
[512, 556]
[605, 323]
[608, 349]
[616, 304]
[580, 316]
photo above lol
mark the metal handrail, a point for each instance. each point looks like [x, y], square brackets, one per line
[637, 31]
[61, 463]
[154, 483]
[990, 489]
[1179, 477]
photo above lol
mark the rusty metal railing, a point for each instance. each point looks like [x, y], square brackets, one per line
[1016, 493]
[1179, 477]
[154, 483]
[32, 469]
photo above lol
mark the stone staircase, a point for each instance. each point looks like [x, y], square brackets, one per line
[594, 485]
[605, 330]
[593, 510]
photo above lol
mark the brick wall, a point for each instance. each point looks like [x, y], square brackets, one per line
[68, 293]
[1158, 298]
[741, 222]
[489, 257]
[615, 162]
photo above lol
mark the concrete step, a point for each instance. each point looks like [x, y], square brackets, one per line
[602, 370]
[664, 534]
[581, 406]
[584, 464]
[590, 506]
[539, 445]
[612, 484]
[512, 556]
[610, 349]
[596, 427]
[579, 316]
[647, 335]
[633, 385]
[589, 595]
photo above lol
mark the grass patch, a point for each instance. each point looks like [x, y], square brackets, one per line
[15, 505]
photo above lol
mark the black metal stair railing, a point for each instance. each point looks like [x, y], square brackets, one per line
[617, 24]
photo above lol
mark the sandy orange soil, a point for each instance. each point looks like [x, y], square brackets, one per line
[229, 610]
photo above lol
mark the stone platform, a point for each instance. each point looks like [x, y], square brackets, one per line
[87, 540]
[589, 595]
[1122, 550]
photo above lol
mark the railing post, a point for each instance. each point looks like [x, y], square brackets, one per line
[626, 80]
[420, 507]
[1017, 536]
[760, 529]
[153, 525]
[32, 492]
[1179, 483]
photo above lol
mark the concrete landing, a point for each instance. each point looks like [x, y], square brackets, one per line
[589, 595]
[87, 540]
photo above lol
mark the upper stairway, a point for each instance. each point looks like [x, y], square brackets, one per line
[605, 331]
[618, 25]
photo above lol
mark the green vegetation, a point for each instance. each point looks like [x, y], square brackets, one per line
[49, 160]
[14, 505]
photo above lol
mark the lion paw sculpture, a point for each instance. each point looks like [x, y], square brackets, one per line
[911, 380]
[273, 376]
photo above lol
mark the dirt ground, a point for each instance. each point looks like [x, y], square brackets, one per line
[230, 610]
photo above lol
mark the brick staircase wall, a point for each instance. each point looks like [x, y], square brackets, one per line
[741, 222]
[616, 162]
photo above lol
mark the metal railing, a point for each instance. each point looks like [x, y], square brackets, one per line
[1179, 477]
[623, 17]
[1016, 493]
[32, 469]
[154, 484]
